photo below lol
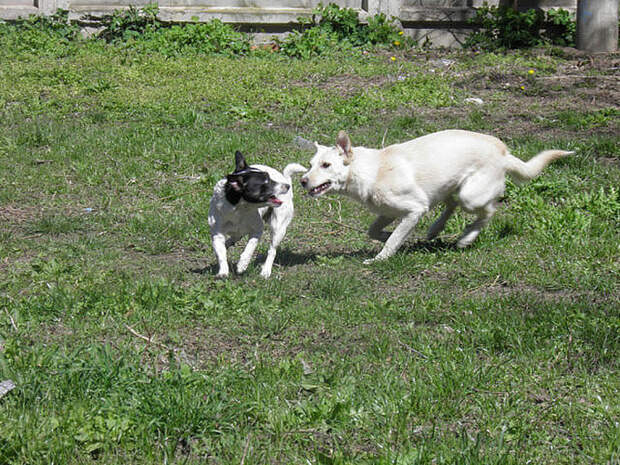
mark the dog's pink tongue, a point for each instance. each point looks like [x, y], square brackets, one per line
[276, 200]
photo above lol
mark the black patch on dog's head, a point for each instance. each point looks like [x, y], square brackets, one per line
[250, 184]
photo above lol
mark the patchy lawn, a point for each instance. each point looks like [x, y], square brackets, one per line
[125, 348]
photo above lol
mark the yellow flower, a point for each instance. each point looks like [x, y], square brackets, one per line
[400, 33]
[522, 87]
[397, 43]
[531, 71]
[393, 58]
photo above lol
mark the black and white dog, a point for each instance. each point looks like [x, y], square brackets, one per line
[242, 203]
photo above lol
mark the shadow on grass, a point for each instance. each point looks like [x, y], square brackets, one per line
[288, 258]
[291, 258]
[209, 269]
[437, 245]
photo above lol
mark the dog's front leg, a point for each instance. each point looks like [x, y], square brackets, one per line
[219, 246]
[246, 255]
[398, 236]
[277, 234]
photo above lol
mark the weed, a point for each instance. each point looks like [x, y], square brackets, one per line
[213, 37]
[502, 27]
[52, 35]
[334, 28]
[142, 30]
[560, 27]
[313, 41]
[130, 23]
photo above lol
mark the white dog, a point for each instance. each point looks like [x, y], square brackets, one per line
[240, 205]
[453, 167]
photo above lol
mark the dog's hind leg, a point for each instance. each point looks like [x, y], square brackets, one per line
[438, 225]
[471, 232]
[478, 195]
[219, 246]
[398, 236]
[376, 228]
[246, 255]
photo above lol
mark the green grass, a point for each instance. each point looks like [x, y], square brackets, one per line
[126, 349]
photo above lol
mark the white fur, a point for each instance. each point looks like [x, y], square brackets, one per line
[229, 223]
[454, 167]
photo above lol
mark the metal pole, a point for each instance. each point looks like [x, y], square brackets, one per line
[597, 25]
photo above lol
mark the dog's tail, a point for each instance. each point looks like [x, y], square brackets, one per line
[522, 171]
[291, 169]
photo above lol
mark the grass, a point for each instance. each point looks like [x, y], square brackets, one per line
[126, 349]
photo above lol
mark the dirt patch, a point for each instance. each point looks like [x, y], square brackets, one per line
[345, 84]
[597, 299]
[207, 345]
[526, 103]
[11, 215]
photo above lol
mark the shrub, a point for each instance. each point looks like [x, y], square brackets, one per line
[46, 34]
[123, 25]
[502, 27]
[332, 27]
[141, 29]
[213, 37]
[561, 28]
[313, 41]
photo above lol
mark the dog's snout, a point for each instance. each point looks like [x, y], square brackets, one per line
[304, 181]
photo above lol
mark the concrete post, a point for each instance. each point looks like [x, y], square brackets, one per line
[387, 7]
[597, 25]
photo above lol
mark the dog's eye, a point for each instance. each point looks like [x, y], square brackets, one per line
[325, 165]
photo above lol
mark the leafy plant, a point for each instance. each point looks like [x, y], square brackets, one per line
[342, 21]
[57, 24]
[561, 28]
[313, 41]
[382, 30]
[503, 27]
[142, 29]
[332, 27]
[213, 37]
[48, 34]
[123, 25]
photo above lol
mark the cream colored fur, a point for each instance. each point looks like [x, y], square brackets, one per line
[404, 181]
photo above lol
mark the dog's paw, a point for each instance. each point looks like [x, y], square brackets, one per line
[378, 258]
[221, 275]
[265, 273]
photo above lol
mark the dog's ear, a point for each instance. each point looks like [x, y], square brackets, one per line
[344, 146]
[235, 182]
[240, 163]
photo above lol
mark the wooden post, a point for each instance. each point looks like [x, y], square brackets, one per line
[597, 25]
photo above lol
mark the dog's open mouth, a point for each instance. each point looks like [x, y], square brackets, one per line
[318, 190]
[274, 201]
